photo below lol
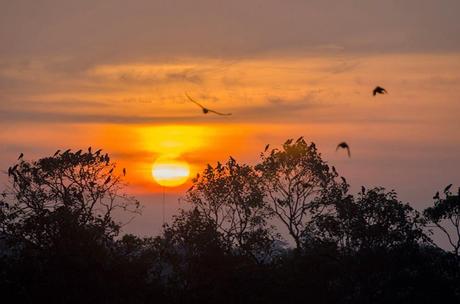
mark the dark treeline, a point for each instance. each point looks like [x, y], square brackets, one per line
[286, 230]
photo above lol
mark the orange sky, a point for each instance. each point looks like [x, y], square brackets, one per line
[281, 70]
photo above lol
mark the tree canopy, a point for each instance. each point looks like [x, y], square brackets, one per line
[284, 229]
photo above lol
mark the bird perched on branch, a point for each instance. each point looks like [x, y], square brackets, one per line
[379, 90]
[206, 110]
[334, 170]
[447, 188]
[344, 145]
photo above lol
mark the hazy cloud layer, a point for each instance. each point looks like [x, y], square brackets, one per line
[110, 30]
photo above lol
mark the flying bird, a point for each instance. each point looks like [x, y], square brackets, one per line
[344, 145]
[21, 156]
[379, 90]
[206, 110]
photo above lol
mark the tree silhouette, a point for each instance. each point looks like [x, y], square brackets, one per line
[56, 215]
[374, 220]
[445, 215]
[49, 196]
[194, 257]
[229, 195]
[59, 241]
[292, 178]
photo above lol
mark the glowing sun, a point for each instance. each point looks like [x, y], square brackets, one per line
[170, 172]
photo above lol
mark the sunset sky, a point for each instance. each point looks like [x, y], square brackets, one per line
[113, 75]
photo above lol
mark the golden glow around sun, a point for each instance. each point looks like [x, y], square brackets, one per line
[170, 172]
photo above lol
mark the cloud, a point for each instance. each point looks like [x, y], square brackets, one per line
[159, 77]
[273, 112]
[91, 32]
[11, 116]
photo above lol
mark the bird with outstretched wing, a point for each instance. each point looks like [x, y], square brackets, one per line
[206, 110]
[344, 145]
[379, 90]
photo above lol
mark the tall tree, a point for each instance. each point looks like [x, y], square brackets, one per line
[50, 199]
[445, 215]
[292, 179]
[57, 217]
[230, 196]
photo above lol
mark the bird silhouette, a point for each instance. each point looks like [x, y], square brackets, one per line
[379, 90]
[334, 170]
[436, 196]
[344, 145]
[21, 156]
[447, 188]
[206, 110]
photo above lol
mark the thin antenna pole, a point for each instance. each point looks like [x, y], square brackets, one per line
[163, 206]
